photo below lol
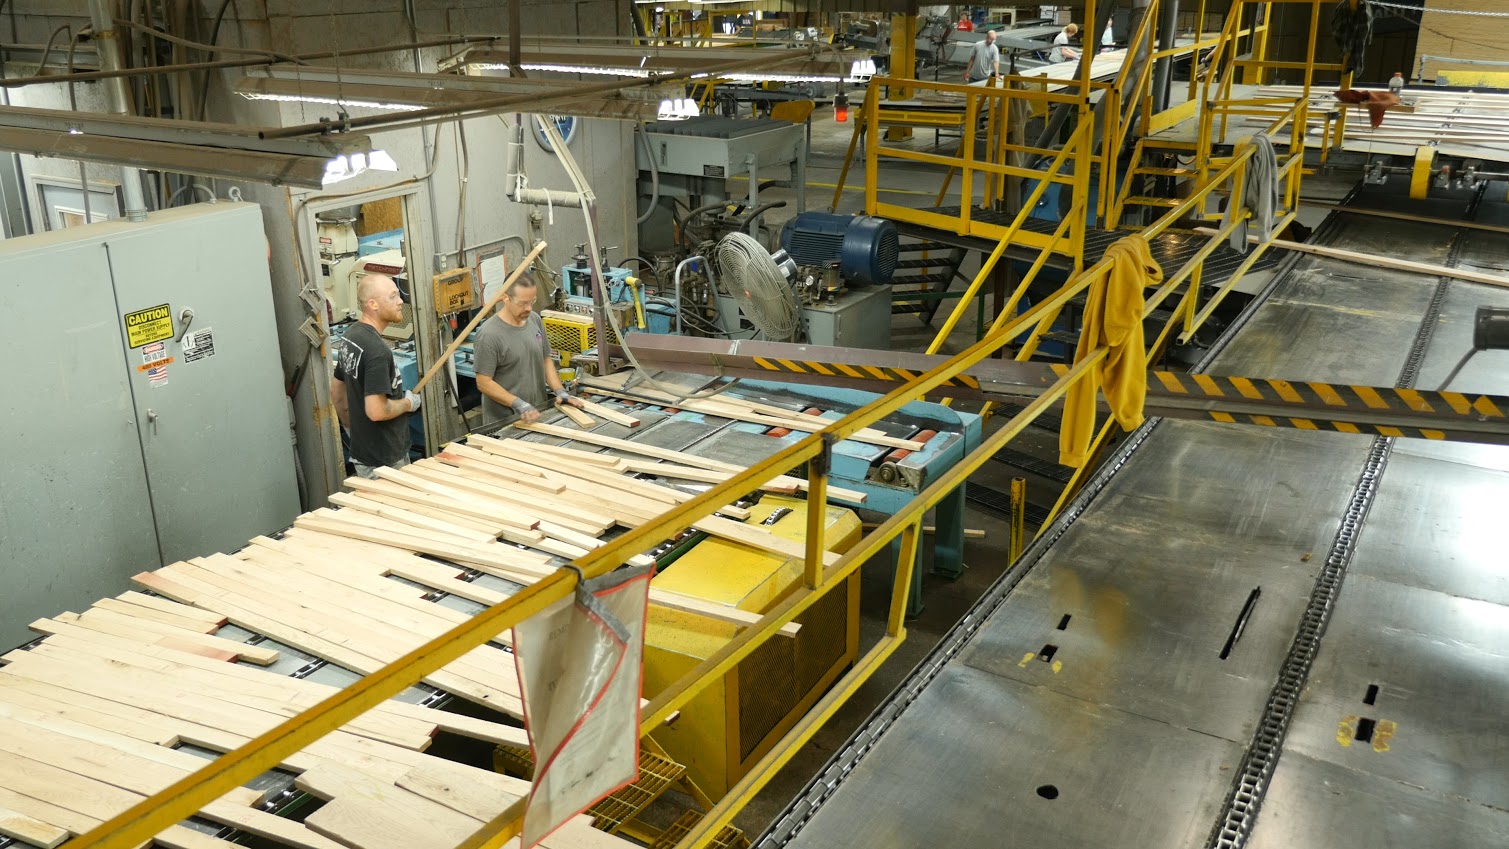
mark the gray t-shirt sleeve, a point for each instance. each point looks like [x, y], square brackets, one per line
[485, 352]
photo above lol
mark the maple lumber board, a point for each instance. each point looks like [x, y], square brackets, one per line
[153, 733]
[102, 764]
[629, 447]
[19, 826]
[578, 417]
[61, 787]
[499, 511]
[269, 826]
[112, 628]
[478, 801]
[181, 837]
[225, 704]
[409, 517]
[550, 499]
[493, 529]
[414, 821]
[203, 651]
[17, 717]
[558, 507]
[757, 537]
[467, 507]
[464, 676]
[469, 450]
[430, 574]
[181, 729]
[138, 612]
[590, 458]
[701, 607]
[560, 492]
[441, 478]
[343, 568]
[253, 654]
[1404, 216]
[495, 477]
[1381, 261]
[455, 551]
[166, 605]
[642, 499]
[381, 523]
[365, 824]
[46, 811]
[606, 412]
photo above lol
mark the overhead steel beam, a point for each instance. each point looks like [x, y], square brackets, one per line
[204, 161]
[199, 133]
[356, 95]
[1263, 402]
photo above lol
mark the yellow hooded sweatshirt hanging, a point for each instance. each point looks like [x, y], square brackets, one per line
[1113, 318]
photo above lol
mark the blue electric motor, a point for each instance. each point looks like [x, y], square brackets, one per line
[864, 247]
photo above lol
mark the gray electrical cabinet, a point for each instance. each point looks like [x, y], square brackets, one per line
[145, 419]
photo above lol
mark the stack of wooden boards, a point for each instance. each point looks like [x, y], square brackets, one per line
[89, 716]
[1442, 119]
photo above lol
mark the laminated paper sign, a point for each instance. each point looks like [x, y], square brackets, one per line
[581, 672]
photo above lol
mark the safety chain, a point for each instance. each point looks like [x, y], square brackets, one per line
[1476, 13]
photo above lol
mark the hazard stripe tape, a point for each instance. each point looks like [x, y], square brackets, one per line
[1322, 425]
[860, 372]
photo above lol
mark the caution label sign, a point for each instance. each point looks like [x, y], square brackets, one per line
[144, 327]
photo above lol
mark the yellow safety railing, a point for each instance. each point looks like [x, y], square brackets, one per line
[177, 802]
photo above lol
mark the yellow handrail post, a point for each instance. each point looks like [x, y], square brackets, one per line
[872, 146]
[966, 171]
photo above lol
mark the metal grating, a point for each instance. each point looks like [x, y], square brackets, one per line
[656, 775]
[727, 838]
[1036, 465]
[999, 502]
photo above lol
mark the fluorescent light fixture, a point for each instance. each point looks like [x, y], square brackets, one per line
[596, 70]
[678, 109]
[346, 166]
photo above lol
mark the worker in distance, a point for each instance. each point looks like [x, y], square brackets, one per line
[984, 60]
[515, 372]
[364, 369]
[1061, 51]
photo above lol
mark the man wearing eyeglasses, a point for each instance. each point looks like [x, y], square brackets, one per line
[515, 373]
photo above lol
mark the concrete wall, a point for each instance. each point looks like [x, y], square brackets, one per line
[1462, 36]
[299, 26]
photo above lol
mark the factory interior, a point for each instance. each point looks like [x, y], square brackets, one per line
[597, 424]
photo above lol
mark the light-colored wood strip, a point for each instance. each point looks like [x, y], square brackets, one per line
[578, 417]
[548, 508]
[136, 611]
[169, 606]
[19, 826]
[597, 476]
[575, 455]
[409, 517]
[456, 553]
[413, 821]
[690, 604]
[630, 447]
[45, 811]
[160, 722]
[757, 537]
[497, 510]
[606, 412]
[477, 801]
[147, 632]
[269, 826]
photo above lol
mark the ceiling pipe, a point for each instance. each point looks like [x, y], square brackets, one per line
[107, 42]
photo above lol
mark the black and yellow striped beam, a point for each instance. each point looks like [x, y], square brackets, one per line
[1339, 408]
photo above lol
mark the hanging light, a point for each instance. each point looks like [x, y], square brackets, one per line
[841, 107]
[345, 166]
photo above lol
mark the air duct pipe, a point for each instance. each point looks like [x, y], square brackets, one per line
[517, 181]
[108, 45]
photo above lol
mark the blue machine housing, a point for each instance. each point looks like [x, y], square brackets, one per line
[864, 247]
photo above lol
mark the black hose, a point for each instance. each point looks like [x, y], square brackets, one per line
[204, 79]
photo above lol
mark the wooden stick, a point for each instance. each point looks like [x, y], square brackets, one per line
[582, 420]
[1403, 216]
[969, 533]
[477, 319]
[755, 536]
[630, 447]
[609, 413]
[1378, 261]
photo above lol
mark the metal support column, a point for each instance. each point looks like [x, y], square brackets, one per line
[1163, 71]
[107, 42]
[903, 65]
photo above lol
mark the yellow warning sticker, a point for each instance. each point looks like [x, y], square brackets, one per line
[146, 326]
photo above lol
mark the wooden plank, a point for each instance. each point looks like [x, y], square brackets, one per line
[757, 537]
[1404, 216]
[591, 479]
[99, 619]
[203, 651]
[19, 826]
[576, 455]
[458, 553]
[725, 613]
[496, 475]
[497, 510]
[269, 826]
[428, 573]
[160, 722]
[55, 815]
[179, 837]
[153, 733]
[578, 417]
[409, 517]
[606, 412]
[410, 820]
[115, 605]
[552, 508]
[630, 447]
[1381, 261]
[68, 728]
[169, 606]
[478, 801]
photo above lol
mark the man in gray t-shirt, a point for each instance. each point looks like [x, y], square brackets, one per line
[515, 373]
[984, 60]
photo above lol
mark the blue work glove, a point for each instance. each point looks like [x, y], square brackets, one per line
[562, 396]
[414, 399]
[521, 406]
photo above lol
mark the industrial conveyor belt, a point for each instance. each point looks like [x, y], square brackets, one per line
[1086, 701]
